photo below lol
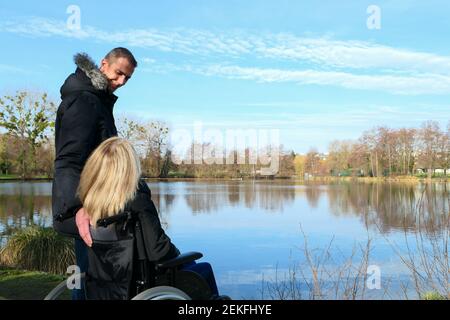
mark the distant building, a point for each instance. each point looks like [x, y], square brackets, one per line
[435, 171]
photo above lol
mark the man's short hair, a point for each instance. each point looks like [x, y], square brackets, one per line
[121, 53]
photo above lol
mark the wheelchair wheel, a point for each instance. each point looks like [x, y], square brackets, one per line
[60, 289]
[56, 291]
[162, 293]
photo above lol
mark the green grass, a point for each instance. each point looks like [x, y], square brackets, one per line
[9, 176]
[27, 285]
[17, 177]
[433, 296]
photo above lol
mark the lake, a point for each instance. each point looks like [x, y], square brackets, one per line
[286, 239]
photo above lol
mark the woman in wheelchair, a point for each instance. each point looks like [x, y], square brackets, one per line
[131, 253]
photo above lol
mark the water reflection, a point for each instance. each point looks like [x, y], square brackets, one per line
[392, 206]
[387, 206]
[22, 206]
[272, 197]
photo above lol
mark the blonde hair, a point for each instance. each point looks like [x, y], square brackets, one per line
[109, 179]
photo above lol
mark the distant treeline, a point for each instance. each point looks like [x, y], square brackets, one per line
[27, 149]
[382, 152]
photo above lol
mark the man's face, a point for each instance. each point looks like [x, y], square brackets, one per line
[118, 72]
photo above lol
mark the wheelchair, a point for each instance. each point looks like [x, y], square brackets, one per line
[163, 280]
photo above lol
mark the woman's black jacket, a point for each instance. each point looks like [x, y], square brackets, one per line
[115, 250]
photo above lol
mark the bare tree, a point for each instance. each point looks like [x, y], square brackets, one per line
[129, 129]
[359, 159]
[444, 150]
[429, 136]
[338, 156]
[299, 164]
[406, 140]
[369, 139]
[154, 136]
[29, 118]
[312, 162]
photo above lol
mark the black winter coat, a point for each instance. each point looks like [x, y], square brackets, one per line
[113, 254]
[84, 120]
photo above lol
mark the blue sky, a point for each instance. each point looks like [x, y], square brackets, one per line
[311, 69]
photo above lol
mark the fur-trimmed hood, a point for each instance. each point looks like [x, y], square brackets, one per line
[88, 66]
[87, 77]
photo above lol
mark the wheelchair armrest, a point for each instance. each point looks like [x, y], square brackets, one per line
[179, 260]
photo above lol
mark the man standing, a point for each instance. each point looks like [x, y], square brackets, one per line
[84, 120]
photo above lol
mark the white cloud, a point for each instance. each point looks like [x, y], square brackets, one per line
[42, 27]
[353, 54]
[408, 84]
[324, 51]
[342, 118]
[12, 69]
[148, 60]
[319, 61]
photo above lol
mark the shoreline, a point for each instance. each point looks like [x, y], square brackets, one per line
[403, 179]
